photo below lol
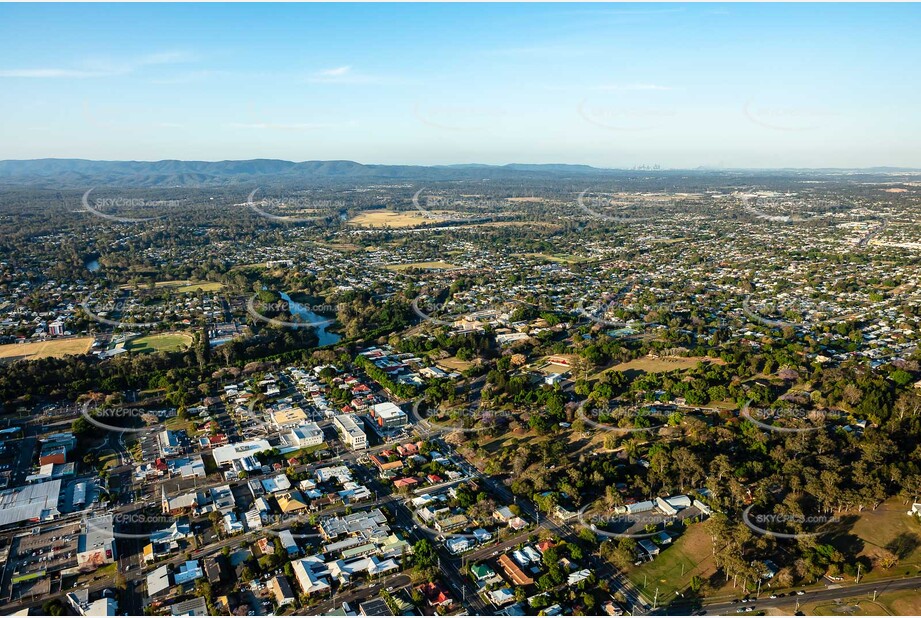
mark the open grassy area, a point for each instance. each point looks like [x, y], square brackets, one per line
[453, 364]
[165, 342]
[393, 219]
[560, 259]
[43, 349]
[182, 286]
[897, 603]
[660, 365]
[888, 528]
[672, 570]
[422, 265]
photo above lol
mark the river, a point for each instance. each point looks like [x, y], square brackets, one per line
[299, 310]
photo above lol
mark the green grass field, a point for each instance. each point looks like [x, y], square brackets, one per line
[183, 287]
[166, 342]
[671, 571]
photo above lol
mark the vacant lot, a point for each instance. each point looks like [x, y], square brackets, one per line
[560, 259]
[661, 364]
[166, 342]
[183, 286]
[672, 570]
[44, 349]
[897, 603]
[453, 364]
[421, 265]
[393, 219]
[888, 528]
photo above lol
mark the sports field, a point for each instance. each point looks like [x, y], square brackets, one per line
[166, 342]
[55, 348]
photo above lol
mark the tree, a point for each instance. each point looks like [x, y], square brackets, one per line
[424, 554]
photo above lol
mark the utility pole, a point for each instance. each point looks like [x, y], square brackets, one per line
[655, 599]
[874, 595]
[858, 573]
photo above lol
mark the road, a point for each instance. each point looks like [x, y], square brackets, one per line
[787, 602]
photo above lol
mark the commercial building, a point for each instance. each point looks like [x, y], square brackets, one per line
[227, 455]
[304, 435]
[350, 430]
[388, 415]
[289, 417]
[96, 545]
[33, 503]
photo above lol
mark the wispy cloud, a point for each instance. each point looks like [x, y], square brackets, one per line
[335, 72]
[345, 75]
[50, 73]
[633, 87]
[298, 126]
[189, 77]
[99, 67]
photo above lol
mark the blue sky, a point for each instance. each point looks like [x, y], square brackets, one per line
[614, 85]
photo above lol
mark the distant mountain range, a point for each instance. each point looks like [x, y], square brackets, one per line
[80, 173]
[173, 173]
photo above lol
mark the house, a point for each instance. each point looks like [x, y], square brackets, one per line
[435, 594]
[291, 501]
[232, 524]
[158, 582]
[577, 577]
[188, 571]
[649, 547]
[514, 572]
[500, 597]
[482, 536]
[374, 607]
[276, 484]
[214, 569]
[192, 607]
[311, 575]
[457, 545]
[482, 572]
[446, 521]
[503, 514]
[282, 590]
[288, 542]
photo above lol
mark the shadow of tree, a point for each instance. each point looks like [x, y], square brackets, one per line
[904, 544]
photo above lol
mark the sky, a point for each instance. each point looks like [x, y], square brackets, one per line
[610, 85]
